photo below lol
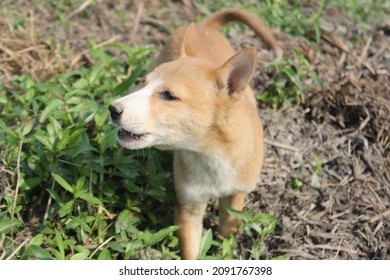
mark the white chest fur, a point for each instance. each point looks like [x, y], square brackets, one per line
[207, 176]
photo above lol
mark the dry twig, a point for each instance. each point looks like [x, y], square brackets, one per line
[18, 181]
[282, 146]
[81, 8]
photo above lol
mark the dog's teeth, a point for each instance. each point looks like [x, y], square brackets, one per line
[125, 133]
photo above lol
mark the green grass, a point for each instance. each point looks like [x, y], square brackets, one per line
[294, 76]
[254, 227]
[61, 161]
[68, 191]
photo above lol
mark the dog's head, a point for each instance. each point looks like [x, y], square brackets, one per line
[181, 101]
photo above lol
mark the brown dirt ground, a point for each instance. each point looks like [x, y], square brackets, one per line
[345, 213]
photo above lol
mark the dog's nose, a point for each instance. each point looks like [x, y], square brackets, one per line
[115, 113]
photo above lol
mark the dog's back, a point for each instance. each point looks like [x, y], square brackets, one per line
[211, 42]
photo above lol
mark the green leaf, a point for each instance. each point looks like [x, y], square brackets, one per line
[104, 254]
[60, 244]
[80, 256]
[53, 105]
[55, 196]
[245, 216]
[296, 184]
[270, 228]
[27, 129]
[57, 254]
[79, 186]
[78, 94]
[282, 257]
[126, 221]
[80, 84]
[256, 228]
[265, 218]
[49, 87]
[161, 234]
[66, 208]
[5, 225]
[61, 145]
[55, 126]
[44, 140]
[101, 117]
[79, 144]
[62, 182]
[292, 75]
[89, 198]
[78, 222]
[99, 54]
[81, 249]
[36, 241]
[256, 251]
[96, 74]
[108, 140]
[45, 229]
[205, 243]
[75, 134]
[125, 85]
[30, 183]
[36, 252]
[3, 99]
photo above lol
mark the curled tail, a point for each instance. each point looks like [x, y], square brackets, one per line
[219, 19]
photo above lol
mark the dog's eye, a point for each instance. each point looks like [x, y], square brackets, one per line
[167, 95]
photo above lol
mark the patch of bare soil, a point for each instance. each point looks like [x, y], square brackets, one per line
[336, 142]
[342, 210]
[24, 48]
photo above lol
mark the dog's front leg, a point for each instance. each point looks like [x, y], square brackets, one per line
[227, 223]
[190, 220]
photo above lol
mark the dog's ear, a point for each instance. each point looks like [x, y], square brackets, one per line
[190, 41]
[235, 74]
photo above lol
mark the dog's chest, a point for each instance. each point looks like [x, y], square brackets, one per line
[207, 176]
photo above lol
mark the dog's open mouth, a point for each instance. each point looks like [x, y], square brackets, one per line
[125, 135]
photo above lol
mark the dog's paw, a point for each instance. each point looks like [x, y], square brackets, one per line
[229, 227]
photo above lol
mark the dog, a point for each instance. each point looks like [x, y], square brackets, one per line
[198, 103]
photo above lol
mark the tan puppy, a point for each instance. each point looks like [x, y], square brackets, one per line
[197, 102]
